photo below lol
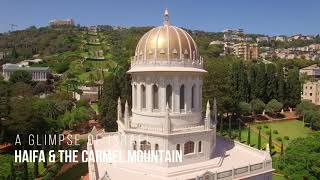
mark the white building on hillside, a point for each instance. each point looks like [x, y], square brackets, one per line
[166, 115]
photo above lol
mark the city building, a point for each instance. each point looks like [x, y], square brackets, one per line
[61, 22]
[281, 38]
[312, 71]
[38, 73]
[262, 39]
[166, 115]
[311, 92]
[246, 51]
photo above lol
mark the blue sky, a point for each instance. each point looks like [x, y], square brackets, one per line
[255, 16]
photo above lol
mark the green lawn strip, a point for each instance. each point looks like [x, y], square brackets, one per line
[5, 160]
[293, 129]
[253, 139]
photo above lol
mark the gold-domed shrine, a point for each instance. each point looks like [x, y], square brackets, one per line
[167, 45]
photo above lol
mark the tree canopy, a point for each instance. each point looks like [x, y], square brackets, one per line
[301, 158]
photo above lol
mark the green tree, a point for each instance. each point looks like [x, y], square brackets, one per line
[281, 84]
[221, 126]
[21, 89]
[270, 142]
[261, 82]
[35, 168]
[304, 107]
[313, 118]
[257, 106]
[274, 106]
[240, 131]
[271, 82]
[230, 129]
[244, 108]
[293, 83]
[253, 83]
[300, 159]
[25, 170]
[21, 76]
[239, 82]
[249, 135]
[259, 139]
[12, 171]
[108, 103]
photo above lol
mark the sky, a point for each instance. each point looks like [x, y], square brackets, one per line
[272, 17]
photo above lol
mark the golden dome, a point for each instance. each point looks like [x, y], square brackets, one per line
[166, 42]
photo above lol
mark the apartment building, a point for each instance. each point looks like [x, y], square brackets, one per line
[246, 51]
[61, 22]
[311, 92]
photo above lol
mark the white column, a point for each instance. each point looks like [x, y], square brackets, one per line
[149, 97]
[133, 97]
[139, 96]
[176, 97]
[200, 97]
[187, 96]
[162, 97]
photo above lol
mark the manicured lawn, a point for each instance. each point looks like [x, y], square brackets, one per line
[293, 129]
[276, 177]
[253, 139]
[5, 160]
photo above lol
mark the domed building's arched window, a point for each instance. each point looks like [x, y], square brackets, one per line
[199, 146]
[193, 95]
[189, 147]
[182, 97]
[134, 145]
[145, 145]
[169, 95]
[156, 147]
[143, 96]
[178, 147]
[155, 97]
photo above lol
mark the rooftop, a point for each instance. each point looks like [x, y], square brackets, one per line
[229, 155]
[9, 66]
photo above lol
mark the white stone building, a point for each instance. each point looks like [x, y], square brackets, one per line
[167, 115]
[38, 73]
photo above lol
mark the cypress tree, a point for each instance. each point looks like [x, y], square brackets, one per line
[239, 83]
[221, 126]
[36, 168]
[25, 170]
[108, 103]
[281, 152]
[259, 139]
[249, 136]
[12, 171]
[254, 93]
[280, 84]
[229, 127]
[293, 84]
[240, 131]
[271, 88]
[261, 82]
[270, 141]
